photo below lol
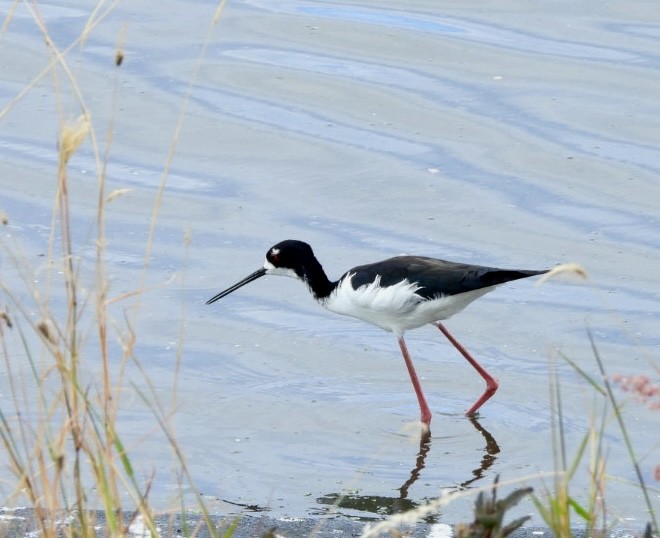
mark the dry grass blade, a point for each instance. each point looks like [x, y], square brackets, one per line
[58, 58]
[68, 458]
[72, 137]
[9, 16]
[177, 133]
[563, 269]
[116, 194]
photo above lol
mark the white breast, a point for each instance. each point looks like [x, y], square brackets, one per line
[395, 308]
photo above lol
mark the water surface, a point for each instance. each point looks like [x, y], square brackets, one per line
[511, 135]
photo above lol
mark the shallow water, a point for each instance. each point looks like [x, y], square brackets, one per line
[518, 136]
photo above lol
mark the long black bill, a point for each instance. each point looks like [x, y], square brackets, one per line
[258, 273]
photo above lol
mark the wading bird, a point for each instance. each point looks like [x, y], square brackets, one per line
[397, 294]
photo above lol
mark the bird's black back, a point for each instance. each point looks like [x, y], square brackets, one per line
[435, 277]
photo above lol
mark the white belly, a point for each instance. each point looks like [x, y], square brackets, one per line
[396, 308]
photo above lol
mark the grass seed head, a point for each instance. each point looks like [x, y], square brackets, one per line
[4, 317]
[73, 136]
[46, 330]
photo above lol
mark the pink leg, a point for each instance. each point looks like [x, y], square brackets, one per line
[491, 382]
[423, 406]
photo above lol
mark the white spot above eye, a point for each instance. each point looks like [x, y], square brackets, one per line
[274, 251]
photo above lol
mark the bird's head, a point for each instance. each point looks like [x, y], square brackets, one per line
[289, 258]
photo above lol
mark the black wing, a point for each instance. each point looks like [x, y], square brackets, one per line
[435, 277]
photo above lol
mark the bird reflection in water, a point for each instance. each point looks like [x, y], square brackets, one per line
[380, 505]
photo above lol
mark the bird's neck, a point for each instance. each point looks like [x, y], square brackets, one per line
[317, 281]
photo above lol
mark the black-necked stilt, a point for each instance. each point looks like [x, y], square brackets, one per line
[396, 295]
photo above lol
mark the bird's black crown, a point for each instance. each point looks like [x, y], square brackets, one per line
[290, 254]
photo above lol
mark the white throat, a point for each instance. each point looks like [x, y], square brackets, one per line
[282, 271]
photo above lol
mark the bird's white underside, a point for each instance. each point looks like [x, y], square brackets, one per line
[396, 308]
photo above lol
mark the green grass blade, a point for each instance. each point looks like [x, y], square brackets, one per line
[624, 432]
[579, 509]
[584, 374]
